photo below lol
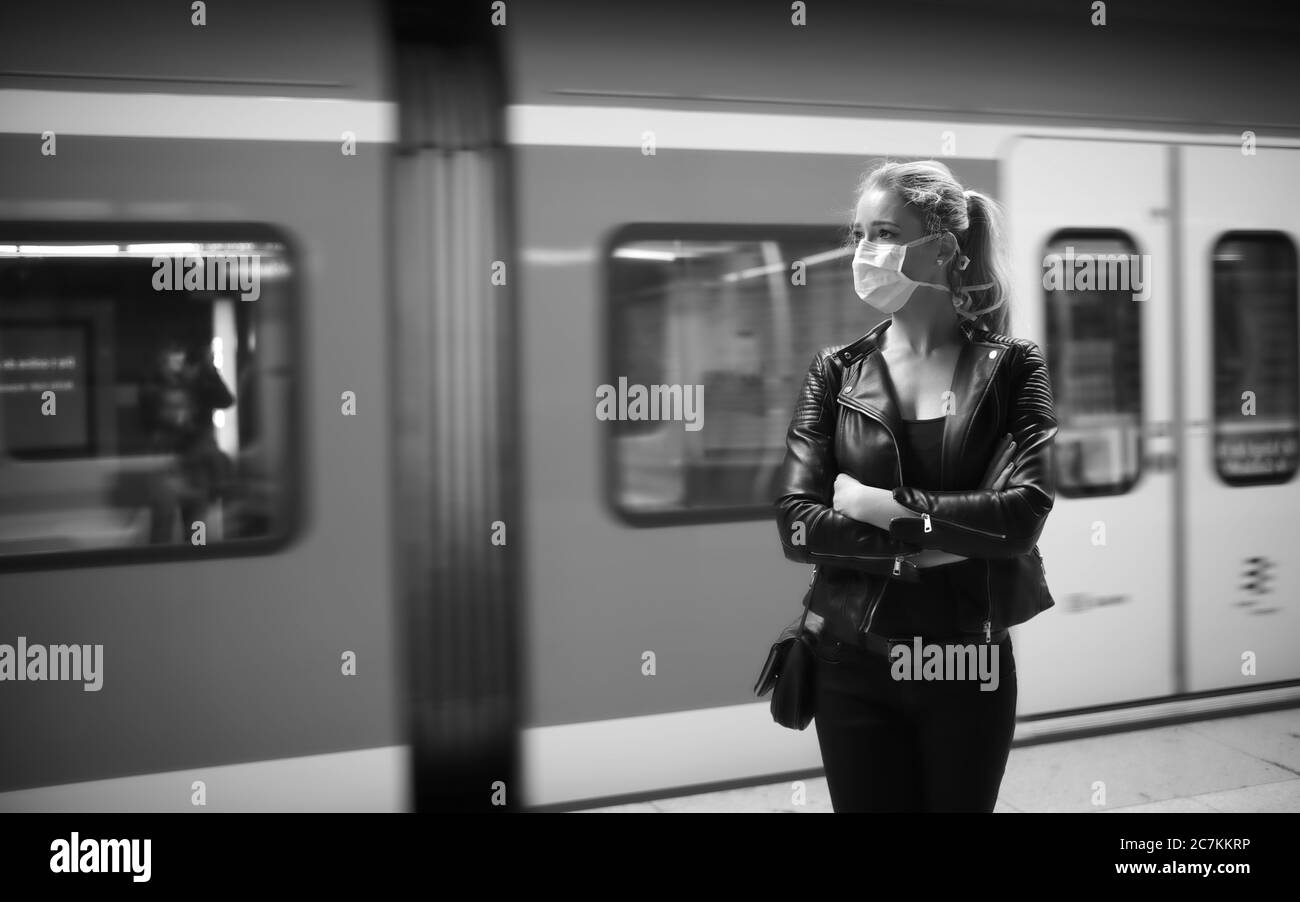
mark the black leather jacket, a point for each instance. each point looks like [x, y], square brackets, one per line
[846, 421]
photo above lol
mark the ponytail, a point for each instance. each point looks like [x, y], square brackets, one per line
[983, 245]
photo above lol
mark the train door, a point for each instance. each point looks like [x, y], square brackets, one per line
[1242, 407]
[1090, 243]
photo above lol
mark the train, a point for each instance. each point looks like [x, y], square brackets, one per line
[407, 564]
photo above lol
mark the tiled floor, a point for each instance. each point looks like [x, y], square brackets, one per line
[1240, 764]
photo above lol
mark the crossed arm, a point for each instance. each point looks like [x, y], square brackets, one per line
[825, 516]
[876, 506]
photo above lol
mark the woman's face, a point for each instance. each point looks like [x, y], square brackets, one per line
[883, 218]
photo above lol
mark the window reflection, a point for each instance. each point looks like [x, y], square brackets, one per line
[728, 311]
[1256, 436]
[1094, 345]
[136, 409]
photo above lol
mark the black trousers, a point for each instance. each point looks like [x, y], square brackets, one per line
[910, 745]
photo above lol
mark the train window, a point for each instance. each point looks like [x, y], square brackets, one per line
[1092, 294]
[1256, 374]
[712, 328]
[145, 391]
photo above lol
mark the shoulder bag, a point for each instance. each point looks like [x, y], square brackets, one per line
[790, 668]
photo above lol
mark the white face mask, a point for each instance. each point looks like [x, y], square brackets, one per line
[878, 274]
[879, 280]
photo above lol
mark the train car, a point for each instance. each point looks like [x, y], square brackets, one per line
[436, 569]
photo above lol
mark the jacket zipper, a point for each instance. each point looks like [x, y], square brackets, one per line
[898, 463]
[897, 559]
[926, 525]
[988, 609]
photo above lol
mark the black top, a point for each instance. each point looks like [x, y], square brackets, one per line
[922, 455]
[925, 608]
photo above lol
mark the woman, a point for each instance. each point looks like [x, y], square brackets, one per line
[880, 488]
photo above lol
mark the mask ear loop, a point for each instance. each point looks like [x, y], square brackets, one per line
[961, 262]
[963, 298]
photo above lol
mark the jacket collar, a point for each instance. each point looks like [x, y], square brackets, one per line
[867, 386]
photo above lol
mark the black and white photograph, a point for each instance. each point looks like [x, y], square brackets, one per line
[624, 408]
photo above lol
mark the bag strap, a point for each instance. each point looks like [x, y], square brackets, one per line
[807, 598]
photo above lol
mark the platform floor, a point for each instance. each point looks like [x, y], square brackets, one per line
[1249, 763]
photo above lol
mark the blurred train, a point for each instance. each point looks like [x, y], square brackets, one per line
[422, 554]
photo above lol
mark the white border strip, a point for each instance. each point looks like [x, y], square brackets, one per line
[652, 755]
[368, 780]
[217, 117]
[625, 127]
[567, 763]
[249, 118]
[1144, 716]
[658, 752]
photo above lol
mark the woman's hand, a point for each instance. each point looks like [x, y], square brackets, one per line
[866, 503]
[851, 498]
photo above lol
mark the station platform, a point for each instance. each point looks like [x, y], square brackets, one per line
[1244, 764]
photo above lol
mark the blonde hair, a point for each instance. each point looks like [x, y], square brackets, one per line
[974, 219]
